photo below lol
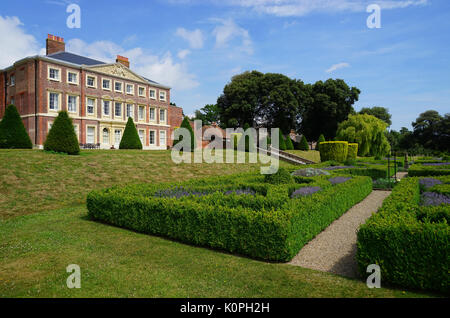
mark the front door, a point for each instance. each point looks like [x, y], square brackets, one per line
[117, 138]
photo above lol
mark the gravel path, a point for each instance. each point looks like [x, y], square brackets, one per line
[334, 249]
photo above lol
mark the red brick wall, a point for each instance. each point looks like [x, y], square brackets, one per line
[2, 94]
[175, 118]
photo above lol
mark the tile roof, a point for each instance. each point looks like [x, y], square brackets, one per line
[74, 59]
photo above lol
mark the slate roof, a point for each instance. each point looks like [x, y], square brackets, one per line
[74, 59]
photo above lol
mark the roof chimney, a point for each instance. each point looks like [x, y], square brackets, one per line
[123, 60]
[55, 44]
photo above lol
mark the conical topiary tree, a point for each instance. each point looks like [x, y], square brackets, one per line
[62, 137]
[13, 134]
[289, 144]
[304, 144]
[249, 141]
[130, 138]
[282, 142]
[321, 139]
[187, 124]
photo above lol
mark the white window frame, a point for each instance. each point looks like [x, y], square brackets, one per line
[87, 106]
[143, 119]
[87, 133]
[154, 114]
[150, 137]
[143, 136]
[150, 94]
[76, 128]
[109, 108]
[95, 81]
[121, 110]
[165, 138]
[109, 81]
[139, 93]
[165, 96]
[73, 73]
[163, 111]
[132, 111]
[121, 85]
[76, 103]
[49, 126]
[132, 88]
[55, 69]
[59, 101]
[12, 80]
[107, 142]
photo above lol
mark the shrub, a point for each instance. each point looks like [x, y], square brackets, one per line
[62, 137]
[304, 144]
[282, 176]
[333, 150]
[411, 250]
[267, 225]
[289, 144]
[421, 170]
[321, 139]
[187, 125]
[352, 152]
[13, 134]
[249, 140]
[282, 142]
[130, 138]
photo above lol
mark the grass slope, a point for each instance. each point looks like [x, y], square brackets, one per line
[312, 155]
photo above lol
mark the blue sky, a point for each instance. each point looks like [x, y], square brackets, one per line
[196, 46]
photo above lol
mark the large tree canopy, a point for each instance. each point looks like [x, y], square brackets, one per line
[426, 129]
[208, 114]
[366, 130]
[332, 102]
[379, 112]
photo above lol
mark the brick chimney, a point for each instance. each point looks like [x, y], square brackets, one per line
[123, 60]
[55, 44]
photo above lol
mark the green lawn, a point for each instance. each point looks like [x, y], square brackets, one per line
[312, 155]
[36, 248]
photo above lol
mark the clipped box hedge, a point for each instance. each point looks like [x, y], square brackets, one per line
[419, 170]
[269, 225]
[411, 243]
[374, 172]
[352, 153]
[333, 151]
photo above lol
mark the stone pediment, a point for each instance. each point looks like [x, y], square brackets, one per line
[117, 70]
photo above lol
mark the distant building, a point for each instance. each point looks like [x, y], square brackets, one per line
[98, 96]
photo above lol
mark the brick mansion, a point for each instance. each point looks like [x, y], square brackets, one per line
[98, 96]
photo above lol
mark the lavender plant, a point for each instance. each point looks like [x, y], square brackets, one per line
[434, 199]
[427, 183]
[305, 191]
[339, 180]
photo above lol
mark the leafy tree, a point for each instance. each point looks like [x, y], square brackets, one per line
[208, 114]
[130, 138]
[187, 124]
[379, 112]
[304, 144]
[281, 141]
[321, 139]
[289, 144]
[249, 145]
[426, 129]
[330, 103]
[368, 132]
[13, 134]
[62, 137]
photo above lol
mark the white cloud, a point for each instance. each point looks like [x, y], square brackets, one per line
[229, 30]
[161, 69]
[336, 67]
[183, 54]
[195, 37]
[16, 44]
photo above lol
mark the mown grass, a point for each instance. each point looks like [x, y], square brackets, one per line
[33, 181]
[36, 249]
[312, 155]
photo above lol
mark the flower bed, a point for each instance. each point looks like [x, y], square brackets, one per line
[410, 242]
[240, 213]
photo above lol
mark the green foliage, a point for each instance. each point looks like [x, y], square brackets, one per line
[130, 138]
[352, 151]
[62, 137]
[419, 170]
[13, 134]
[321, 139]
[368, 132]
[268, 225]
[289, 144]
[208, 114]
[375, 173]
[187, 125]
[303, 144]
[381, 113]
[282, 142]
[409, 242]
[248, 139]
[282, 176]
[333, 150]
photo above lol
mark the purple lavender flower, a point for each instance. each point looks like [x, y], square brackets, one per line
[434, 199]
[179, 192]
[305, 191]
[338, 167]
[429, 182]
[338, 180]
[437, 164]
